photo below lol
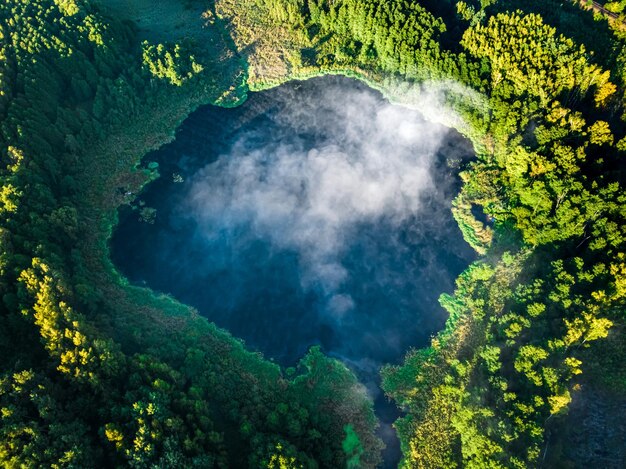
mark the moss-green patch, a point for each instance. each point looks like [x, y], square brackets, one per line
[164, 20]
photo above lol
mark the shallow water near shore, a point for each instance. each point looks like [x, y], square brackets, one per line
[314, 214]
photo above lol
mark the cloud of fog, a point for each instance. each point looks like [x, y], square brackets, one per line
[371, 162]
[429, 98]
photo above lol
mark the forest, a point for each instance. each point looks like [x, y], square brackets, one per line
[96, 372]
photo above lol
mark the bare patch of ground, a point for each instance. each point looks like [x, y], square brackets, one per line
[270, 56]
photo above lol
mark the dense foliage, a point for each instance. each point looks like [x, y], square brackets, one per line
[97, 373]
[90, 376]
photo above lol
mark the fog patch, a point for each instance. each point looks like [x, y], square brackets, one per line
[371, 164]
[315, 213]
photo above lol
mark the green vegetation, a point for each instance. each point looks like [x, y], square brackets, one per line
[548, 173]
[97, 373]
[94, 372]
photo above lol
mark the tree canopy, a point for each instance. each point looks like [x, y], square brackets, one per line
[96, 372]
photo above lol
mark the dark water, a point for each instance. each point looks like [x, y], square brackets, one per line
[246, 231]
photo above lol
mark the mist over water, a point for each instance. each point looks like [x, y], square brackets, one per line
[316, 213]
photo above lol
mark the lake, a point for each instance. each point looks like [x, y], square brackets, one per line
[314, 213]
